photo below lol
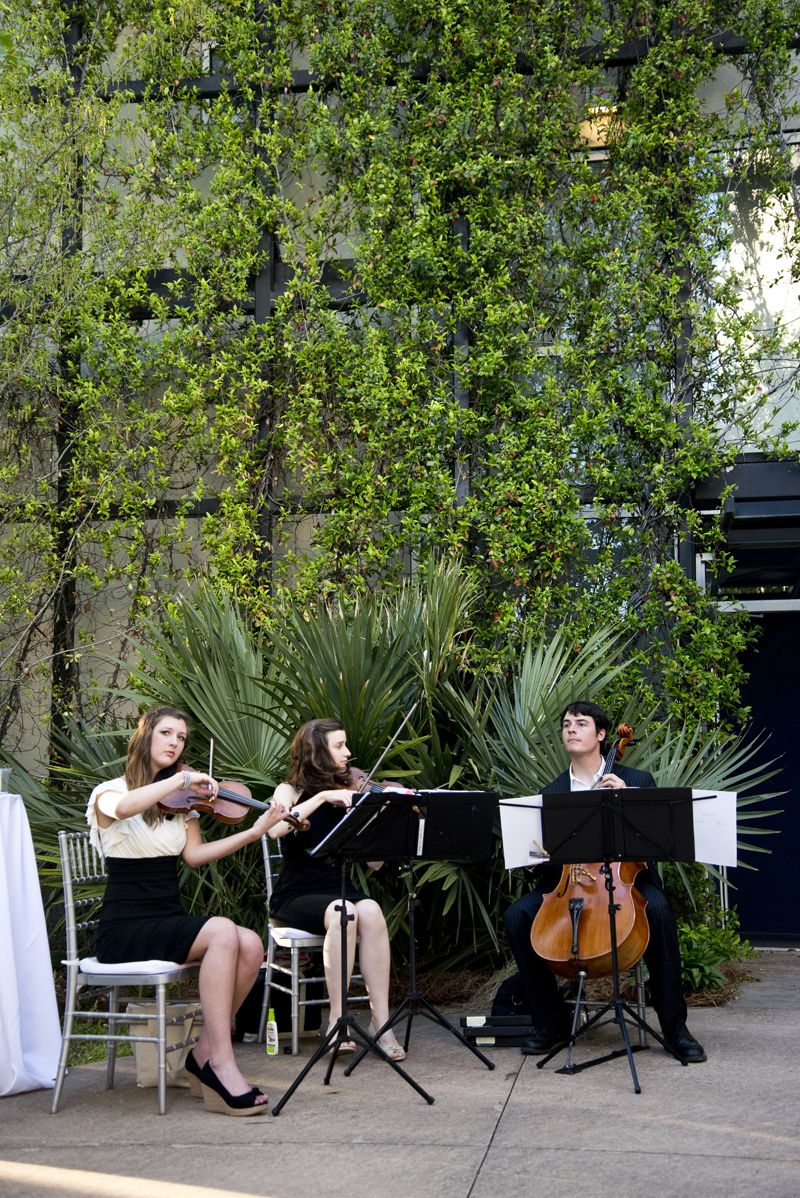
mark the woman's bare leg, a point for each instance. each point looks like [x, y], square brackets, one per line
[332, 954]
[374, 959]
[230, 958]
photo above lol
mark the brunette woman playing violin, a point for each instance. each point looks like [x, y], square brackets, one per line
[320, 788]
[142, 917]
[584, 728]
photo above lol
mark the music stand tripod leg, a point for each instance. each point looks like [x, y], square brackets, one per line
[414, 1001]
[615, 1004]
[576, 1014]
[345, 1027]
[617, 1007]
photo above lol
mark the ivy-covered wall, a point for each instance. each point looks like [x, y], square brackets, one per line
[529, 350]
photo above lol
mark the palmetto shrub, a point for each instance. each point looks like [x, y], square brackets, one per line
[247, 691]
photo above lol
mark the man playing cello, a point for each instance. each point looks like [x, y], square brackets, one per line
[584, 728]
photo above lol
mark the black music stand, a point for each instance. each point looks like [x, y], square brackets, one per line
[379, 826]
[450, 826]
[615, 825]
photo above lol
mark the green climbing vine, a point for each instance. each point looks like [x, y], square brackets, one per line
[498, 321]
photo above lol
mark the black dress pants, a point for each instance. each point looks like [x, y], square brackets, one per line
[662, 957]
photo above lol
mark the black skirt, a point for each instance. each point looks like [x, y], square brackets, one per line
[307, 911]
[142, 918]
[307, 885]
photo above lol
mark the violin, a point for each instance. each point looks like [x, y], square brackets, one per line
[572, 929]
[364, 784]
[230, 806]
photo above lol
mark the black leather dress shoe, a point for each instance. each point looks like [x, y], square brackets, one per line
[682, 1044]
[544, 1039]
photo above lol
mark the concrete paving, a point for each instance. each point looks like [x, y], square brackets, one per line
[727, 1128]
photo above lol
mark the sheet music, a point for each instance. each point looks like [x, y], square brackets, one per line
[521, 828]
[445, 825]
[714, 819]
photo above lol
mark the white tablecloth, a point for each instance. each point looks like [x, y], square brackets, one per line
[30, 1035]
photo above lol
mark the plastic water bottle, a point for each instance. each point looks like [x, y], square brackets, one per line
[272, 1034]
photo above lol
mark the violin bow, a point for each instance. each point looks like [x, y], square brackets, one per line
[406, 718]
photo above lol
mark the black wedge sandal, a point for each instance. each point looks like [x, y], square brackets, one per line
[216, 1098]
[195, 1073]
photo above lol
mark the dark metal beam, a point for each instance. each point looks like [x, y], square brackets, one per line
[209, 87]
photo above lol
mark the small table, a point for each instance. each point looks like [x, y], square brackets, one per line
[30, 1034]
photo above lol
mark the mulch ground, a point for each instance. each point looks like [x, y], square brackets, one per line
[474, 991]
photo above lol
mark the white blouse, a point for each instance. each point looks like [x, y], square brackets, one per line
[132, 837]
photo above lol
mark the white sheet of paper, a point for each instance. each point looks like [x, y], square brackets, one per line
[521, 828]
[714, 818]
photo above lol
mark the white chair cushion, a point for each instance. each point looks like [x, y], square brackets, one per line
[92, 965]
[282, 935]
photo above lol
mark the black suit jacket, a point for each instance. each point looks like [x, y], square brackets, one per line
[547, 876]
[630, 777]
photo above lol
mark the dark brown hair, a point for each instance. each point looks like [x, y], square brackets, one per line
[311, 768]
[587, 708]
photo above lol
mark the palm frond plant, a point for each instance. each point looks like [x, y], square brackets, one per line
[432, 622]
[84, 759]
[719, 761]
[206, 658]
[332, 663]
[510, 731]
[515, 745]
[369, 666]
[432, 619]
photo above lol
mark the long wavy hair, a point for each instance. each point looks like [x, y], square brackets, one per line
[137, 765]
[311, 767]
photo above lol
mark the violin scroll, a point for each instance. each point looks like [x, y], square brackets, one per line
[297, 822]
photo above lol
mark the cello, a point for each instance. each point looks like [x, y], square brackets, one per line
[572, 929]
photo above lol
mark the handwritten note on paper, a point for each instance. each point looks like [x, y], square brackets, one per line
[714, 818]
[521, 828]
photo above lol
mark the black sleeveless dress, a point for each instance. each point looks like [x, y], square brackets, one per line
[307, 886]
[142, 917]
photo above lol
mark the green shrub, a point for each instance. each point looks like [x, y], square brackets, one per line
[707, 946]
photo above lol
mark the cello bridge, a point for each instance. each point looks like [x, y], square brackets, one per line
[579, 872]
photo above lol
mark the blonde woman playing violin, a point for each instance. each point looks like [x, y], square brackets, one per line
[142, 917]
